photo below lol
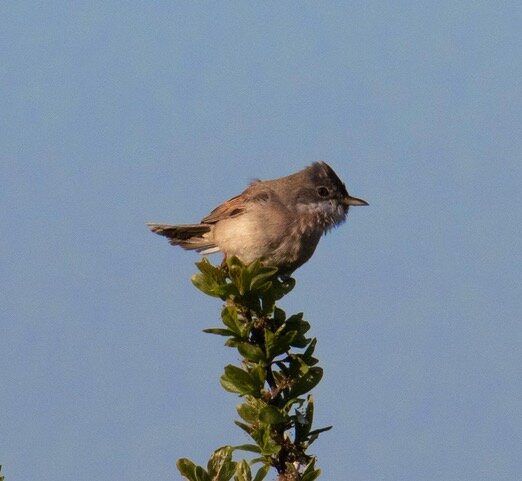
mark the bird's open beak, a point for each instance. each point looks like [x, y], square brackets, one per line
[348, 200]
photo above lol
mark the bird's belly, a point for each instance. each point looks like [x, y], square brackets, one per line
[277, 241]
[247, 236]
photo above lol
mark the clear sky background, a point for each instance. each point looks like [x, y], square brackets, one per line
[117, 113]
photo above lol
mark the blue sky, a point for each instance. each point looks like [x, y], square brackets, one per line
[119, 113]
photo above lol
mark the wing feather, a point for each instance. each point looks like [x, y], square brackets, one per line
[231, 208]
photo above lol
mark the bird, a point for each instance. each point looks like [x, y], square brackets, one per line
[278, 222]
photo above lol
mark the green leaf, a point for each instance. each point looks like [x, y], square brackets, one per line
[260, 459]
[258, 373]
[191, 471]
[276, 344]
[249, 409]
[296, 318]
[206, 285]
[232, 342]
[261, 278]
[244, 427]
[230, 319]
[309, 413]
[251, 352]
[201, 474]
[220, 465]
[234, 262]
[262, 287]
[293, 401]
[310, 473]
[227, 473]
[279, 316]
[211, 280]
[264, 438]
[296, 323]
[238, 274]
[303, 423]
[243, 472]
[271, 415]
[247, 412]
[296, 368]
[220, 332]
[211, 272]
[262, 435]
[251, 448]
[276, 291]
[239, 381]
[262, 472]
[187, 468]
[313, 435]
[307, 382]
[282, 288]
[307, 355]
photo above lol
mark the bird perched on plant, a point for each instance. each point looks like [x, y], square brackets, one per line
[277, 221]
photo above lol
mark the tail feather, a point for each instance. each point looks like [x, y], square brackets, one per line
[188, 236]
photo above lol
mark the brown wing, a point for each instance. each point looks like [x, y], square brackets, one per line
[231, 208]
[237, 205]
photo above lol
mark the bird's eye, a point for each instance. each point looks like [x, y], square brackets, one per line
[323, 191]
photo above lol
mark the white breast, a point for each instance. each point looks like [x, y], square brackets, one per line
[250, 236]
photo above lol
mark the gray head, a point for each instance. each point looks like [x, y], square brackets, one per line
[321, 195]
